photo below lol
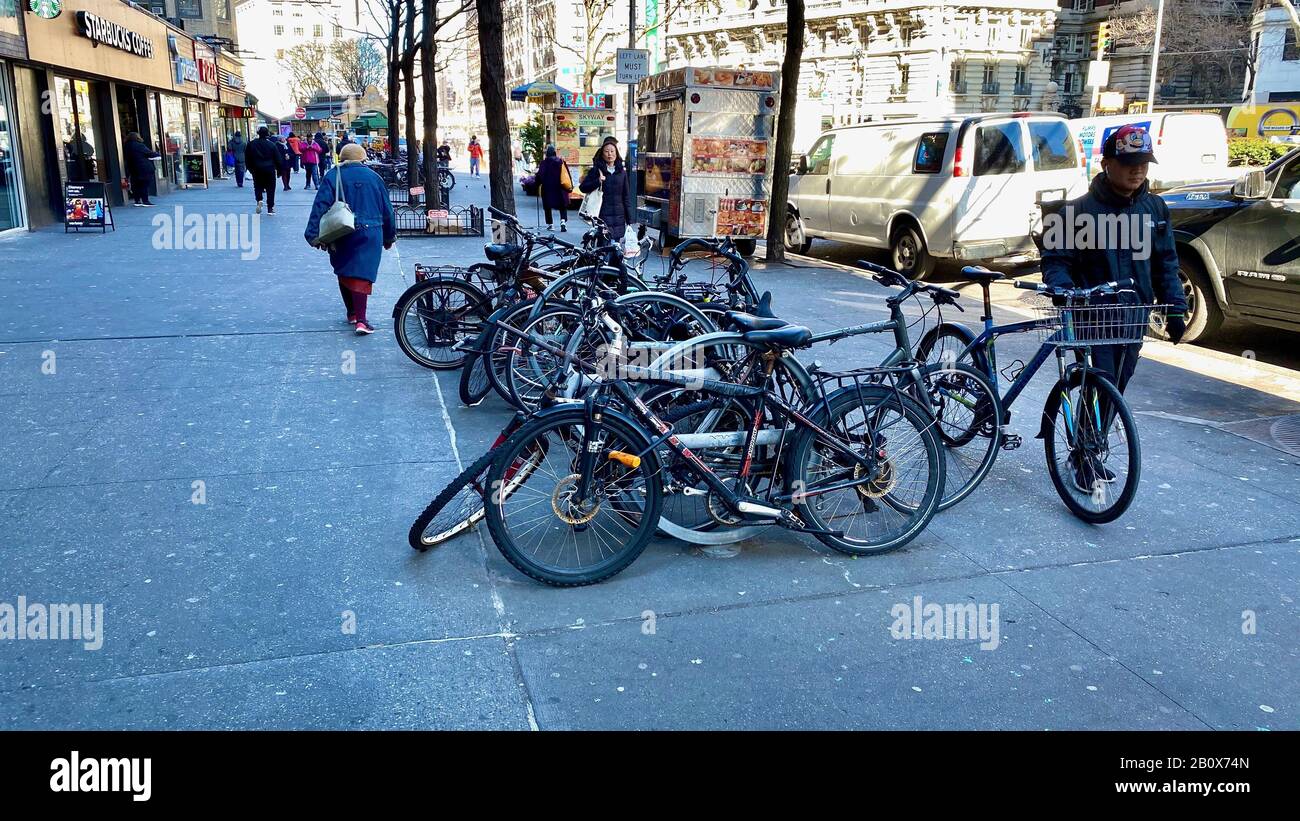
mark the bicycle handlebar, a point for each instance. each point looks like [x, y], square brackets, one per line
[1072, 293]
[891, 278]
[713, 245]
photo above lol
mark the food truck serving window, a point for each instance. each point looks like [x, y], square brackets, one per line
[656, 132]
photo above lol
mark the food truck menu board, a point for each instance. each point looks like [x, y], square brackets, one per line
[579, 133]
[743, 218]
[728, 155]
[729, 78]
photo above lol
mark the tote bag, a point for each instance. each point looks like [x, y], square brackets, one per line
[566, 180]
[339, 220]
[591, 204]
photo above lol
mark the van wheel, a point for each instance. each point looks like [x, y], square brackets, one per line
[911, 257]
[1204, 317]
[747, 246]
[796, 240]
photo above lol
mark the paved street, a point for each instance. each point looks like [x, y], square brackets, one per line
[200, 459]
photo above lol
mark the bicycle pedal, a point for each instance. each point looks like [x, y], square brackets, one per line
[1011, 441]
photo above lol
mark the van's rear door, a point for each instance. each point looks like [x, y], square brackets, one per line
[1055, 169]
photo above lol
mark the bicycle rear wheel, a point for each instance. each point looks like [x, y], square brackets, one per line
[474, 381]
[893, 508]
[967, 409]
[1091, 443]
[433, 316]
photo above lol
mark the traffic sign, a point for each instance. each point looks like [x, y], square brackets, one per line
[633, 65]
[300, 113]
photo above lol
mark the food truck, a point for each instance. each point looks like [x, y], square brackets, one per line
[579, 123]
[706, 141]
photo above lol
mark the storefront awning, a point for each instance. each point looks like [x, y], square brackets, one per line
[540, 88]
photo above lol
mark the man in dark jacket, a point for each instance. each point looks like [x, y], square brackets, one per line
[265, 163]
[1118, 231]
[139, 168]
[237, 147]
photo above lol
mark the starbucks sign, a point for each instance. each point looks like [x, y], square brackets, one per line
[49, 9]
[113, 34]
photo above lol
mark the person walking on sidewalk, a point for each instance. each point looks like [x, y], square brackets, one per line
[284, 159]
[607, 174]
[326, 158]
[355, 258]
[237, 147]
[311, 163]
[1150, 260]
[556, 183]
[265, 163]
[295, 150]
[139, 168]
[475, 155]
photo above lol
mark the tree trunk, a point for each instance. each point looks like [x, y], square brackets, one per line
[429, 85]
[394, 72]
[794, 17]
[408, 99]
[492, 82]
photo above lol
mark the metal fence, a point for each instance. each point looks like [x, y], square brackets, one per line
[416, 221]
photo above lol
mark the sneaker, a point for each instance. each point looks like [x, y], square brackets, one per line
[259, 207]
[550, 228]
[563, 229]
[352, 320]
[137, 205]
[270, 212]
[147, 204]
[364, 327]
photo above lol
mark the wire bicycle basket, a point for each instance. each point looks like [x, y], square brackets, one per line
[1084, 326]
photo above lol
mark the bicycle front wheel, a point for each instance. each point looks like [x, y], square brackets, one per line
[436, 314]
[539, 524]
[1091, 443]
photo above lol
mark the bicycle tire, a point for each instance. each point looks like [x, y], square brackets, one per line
[462, 517]
[1064, 484]
[441, 325]
[619, 431]
[977, 439]
[474, 381]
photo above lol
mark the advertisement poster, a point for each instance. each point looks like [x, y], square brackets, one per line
[727, 155]
[579, 133]
[730, 78]
[196, 169]
[741, 218]
[83, 206]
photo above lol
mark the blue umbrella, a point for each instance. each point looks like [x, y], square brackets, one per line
[541, 88]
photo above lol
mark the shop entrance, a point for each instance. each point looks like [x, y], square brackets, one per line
[75, 130]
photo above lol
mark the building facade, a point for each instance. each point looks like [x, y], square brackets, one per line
[1277, 59]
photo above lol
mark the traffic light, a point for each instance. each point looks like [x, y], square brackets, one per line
[1103, 39]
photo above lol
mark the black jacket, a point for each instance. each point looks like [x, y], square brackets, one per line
[137, 156]
[1148, 257]
[263, 155]
[616, 204]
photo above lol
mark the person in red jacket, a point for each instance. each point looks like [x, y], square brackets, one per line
[475, 155]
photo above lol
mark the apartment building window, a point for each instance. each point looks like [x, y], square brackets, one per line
[990, 73]
[317, 30]
[279, 31]
[1078, 42]
[223, 9]
[338, 30]
[956, 76]
[1289, 51]
[904, 72]
[277, 13]
[1084, 5]
[1071, 83]
[297, 31]
[1020, 75]
[189, 9]
[158, 7]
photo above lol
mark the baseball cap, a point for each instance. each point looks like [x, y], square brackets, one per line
[1130, 145]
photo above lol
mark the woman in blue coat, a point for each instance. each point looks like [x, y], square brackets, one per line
[608, 174]
[356, 257]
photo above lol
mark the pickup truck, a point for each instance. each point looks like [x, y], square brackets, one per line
[1239, 248]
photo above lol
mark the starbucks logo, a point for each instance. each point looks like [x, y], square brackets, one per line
[49, 9]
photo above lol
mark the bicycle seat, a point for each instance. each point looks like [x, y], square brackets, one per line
[499, 250]
[741, 321]
[790, 336]
[979, 273]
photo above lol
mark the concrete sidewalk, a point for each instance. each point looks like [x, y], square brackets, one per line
[197, 376]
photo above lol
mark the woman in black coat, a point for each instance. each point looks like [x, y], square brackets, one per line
[608, 174]
[554, 194]
[139, 168]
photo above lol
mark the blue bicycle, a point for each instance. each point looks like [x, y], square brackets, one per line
[1088, 432]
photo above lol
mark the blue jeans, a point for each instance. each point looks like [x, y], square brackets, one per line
[313, 176]
[239, 174]
[473, 166]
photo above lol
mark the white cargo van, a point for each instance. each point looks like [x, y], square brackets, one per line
[957, 187]
[1190, 148]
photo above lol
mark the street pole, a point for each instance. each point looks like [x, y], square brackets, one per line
[631, 101]
[1155, 57]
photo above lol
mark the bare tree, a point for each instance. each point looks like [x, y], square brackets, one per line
[357, 63]
[306, 71]
[1209, 40]
[776, 213]
[492, 84]
[601, 33]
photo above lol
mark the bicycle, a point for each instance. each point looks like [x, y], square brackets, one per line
[1094, 470]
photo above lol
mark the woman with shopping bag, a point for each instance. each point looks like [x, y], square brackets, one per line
[608, 177]
[353, 218]
[556, 184]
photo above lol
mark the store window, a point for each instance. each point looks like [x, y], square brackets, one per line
[173, 114]
[196, 127]
[75, 129]
[11, 200]
[156, 137]
[189, 9]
